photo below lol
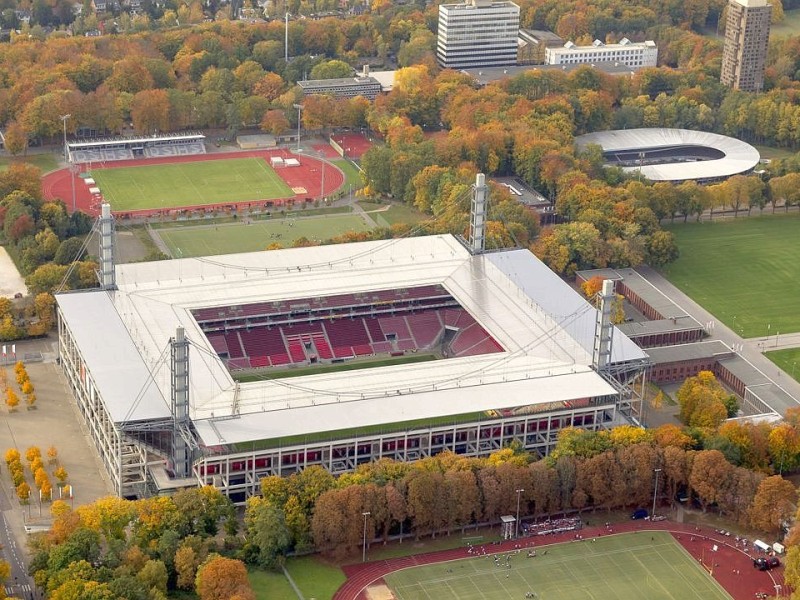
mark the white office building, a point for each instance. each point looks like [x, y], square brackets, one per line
[477, 33]
[644, 54]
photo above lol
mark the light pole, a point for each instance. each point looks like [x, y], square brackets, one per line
[64, 121]
[364, 547]
[516, 523]
[299, 107]
[655, 493]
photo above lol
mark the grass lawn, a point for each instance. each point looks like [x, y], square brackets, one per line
[46, 162]
[204, 240]
[390, 214]
[623, 567]
[315, 578]
[742, 269]
[270, 586]
[786, 360]
[189, 184]
[352, 176]
[774, 153]
[789, 26]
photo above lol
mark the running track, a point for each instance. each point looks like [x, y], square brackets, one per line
[742, 586]
[308, 175]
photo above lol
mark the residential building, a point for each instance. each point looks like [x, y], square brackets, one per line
[477, 33]
[746, 40]
[626, 52]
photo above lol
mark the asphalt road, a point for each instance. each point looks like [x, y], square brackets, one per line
[19, 585]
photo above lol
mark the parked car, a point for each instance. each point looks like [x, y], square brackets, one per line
[765, 564]
[640, 513]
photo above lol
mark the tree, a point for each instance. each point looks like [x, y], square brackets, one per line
[710, 471]
[12, 455]
[774, 504]
[16, 138]
[222, 578]
[150, 111]
[267, 531]
[52, 454]
[331, 69]
[61, 474]
[12, 400]
[274, 122]
[154, 576]
[23, 492]
[186, 567]
[703, 401]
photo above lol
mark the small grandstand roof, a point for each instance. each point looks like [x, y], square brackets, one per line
[545, 328]
[105, 142]
[738, 156]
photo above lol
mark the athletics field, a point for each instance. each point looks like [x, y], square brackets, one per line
[648, 565]
[171, 185]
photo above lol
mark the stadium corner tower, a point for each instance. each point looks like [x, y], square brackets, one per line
[223, 370]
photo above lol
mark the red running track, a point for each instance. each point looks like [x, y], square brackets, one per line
[734, 572]
[308, 175]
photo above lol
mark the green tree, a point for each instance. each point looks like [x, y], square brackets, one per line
[331, 69]
[267, 531]
[154, 576]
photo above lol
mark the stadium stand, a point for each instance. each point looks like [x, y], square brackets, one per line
[346, 326]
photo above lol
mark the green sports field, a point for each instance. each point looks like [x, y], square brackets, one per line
[206, 240]
[745, 268]
[622, 567]
[191, 183]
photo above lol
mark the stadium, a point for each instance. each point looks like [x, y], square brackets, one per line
[224, 370]
[673, 154]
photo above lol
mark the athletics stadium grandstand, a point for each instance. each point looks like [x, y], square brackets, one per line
[673, 154]
[222, 370]
[128, 148]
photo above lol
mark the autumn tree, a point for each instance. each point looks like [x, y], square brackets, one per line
[12, 400]
[774, 504]
[703, 401]
[709, 472]
[23, 492]
[222, 578]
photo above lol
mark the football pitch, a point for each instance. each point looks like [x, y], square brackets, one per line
[206, 240]
[191, 183]
[743, 270]
[622, 567]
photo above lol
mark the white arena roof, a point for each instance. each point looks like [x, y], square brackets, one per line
[738, 156]
[545, 328]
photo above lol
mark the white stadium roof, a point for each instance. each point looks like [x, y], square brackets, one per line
[739, 156]
[545, 328]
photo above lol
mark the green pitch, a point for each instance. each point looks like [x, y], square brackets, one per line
[622, 567]
[188, 184]
[206, 240]
[745, 268]
[788, 360]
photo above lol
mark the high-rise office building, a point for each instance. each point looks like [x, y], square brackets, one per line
[746, 40]
[478, 33]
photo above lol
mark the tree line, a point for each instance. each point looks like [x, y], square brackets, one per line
[143, 549]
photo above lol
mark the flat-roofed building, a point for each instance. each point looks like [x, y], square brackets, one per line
[477, 33]
[532, 44]
[746, 40]
[626, 52]
[346, 87]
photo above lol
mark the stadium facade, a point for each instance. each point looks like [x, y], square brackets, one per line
[200, 371]
[663, 154]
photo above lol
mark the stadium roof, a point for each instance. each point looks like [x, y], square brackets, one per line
[739, 157]
[546, 329]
